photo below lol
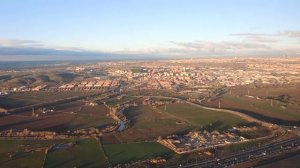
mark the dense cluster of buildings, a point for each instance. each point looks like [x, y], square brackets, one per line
[197, 140]
[90, 85]
[198, 78]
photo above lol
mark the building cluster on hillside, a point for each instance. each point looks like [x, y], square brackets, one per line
[197, 140]
[90, 85]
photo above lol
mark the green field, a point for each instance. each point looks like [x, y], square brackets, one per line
[31, 153]
[23, 153]
[123, 153]
[208, 119]
[85, 153]
[277, 109]
[148, 124]
[89, 116]
[281, 102]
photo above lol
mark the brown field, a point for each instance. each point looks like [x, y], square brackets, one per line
[110, 139]
[69, 116]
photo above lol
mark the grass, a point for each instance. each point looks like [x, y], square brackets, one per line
[263, 106]
[28, 98]
[123, 153]
[31, 153]
[89, 116]
[85, 153]
[148, 124]
[25, 153]
[287, 108]
[208, 119]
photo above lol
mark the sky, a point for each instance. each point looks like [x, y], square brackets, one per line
[39, 29]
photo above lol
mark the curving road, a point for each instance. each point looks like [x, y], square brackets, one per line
[242, 115]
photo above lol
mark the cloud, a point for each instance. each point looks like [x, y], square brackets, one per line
[12, 50]
[20, 43]
[230, 48]
[266, 38]
[292, 33]
[251, 44]
[258, 37]
[251, 34]
[224, 46]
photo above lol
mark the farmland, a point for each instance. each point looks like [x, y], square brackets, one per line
[148, 124]
[85, 153]
[202, 118]
[89, 116]
[29, 98]
[273, 102]
[30, 153]
[122, 153]
[69, 116]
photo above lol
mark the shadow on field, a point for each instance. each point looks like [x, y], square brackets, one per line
[132, 114]
[267, 118]
[17, 124]
[262, 117]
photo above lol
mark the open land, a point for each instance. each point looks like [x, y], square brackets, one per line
[122, 153]
[202, 118]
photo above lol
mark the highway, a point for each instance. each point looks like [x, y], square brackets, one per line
[264, 151]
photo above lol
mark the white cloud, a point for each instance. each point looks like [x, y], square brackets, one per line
[258, 37]
[292, 33]
[20, 43]
[215, 48]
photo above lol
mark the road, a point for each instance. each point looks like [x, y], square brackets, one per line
[267, 150]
